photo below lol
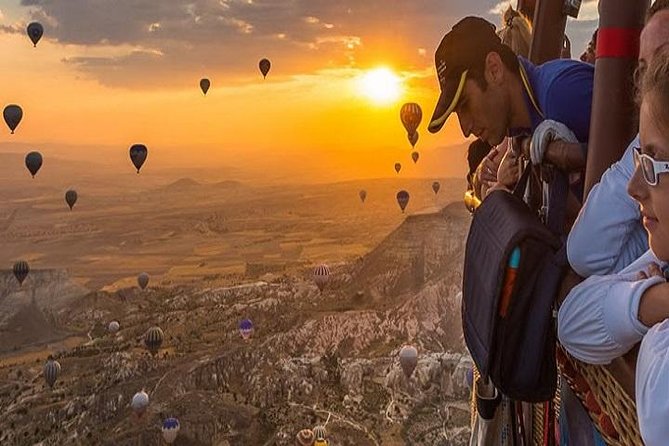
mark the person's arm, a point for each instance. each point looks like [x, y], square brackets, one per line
[566, 156]
[608, 235]
[652, 385]
[599, 319]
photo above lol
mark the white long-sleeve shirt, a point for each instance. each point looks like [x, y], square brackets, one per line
[598, 321]
[652, 385]
[608, 234]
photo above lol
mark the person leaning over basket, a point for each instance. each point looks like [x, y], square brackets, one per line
[619, 310]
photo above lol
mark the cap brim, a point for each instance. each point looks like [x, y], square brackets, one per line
[448, 100]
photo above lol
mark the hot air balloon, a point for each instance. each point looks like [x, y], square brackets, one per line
[398, 167]
[321, 276]
[414, 157]
[408, 359]
[411, 115]
[114, 326]
[435, 187]
[71, 198]
[153, 339]
[51, 371]
[403, 199]
[204, 85]
[264, 66]
[305, 437]
[21, 270]
[170, 430]
[12, 114]
[35, 31]
[143, 280]
[34, 162]
[413, 138]
[246, 329]
[320, 433]
[140, 402]
[363, 195]
[138, 154]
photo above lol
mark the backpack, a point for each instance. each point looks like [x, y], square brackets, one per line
[514, 265]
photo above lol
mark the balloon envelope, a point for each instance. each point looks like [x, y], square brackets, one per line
[204, 85]
[398, 167]
[51, 372]
[138, 154]
[21, 270]
[408, 359]
[264, 66]
[413, 138]
[305, 437]
[320, 433]
[435, 187]
[140, 402]
[71, 198]
[13, 115]
[414, 157]
[411, 115]
[403, 199]
[246, 328]
[363, 195]
[143, 280]
[35, 31]
[114, 326]
[170, 429]
[321, 276]
[33, 162]
[153, 339]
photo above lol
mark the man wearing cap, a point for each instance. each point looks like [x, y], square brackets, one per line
[497, 94]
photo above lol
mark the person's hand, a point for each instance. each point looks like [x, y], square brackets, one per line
[545, 133]
[486, 173]
[652, 270]
[509, 170]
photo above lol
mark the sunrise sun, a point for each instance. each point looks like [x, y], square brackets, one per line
[380, 85]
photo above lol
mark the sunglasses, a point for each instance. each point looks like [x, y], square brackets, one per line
[650, 168]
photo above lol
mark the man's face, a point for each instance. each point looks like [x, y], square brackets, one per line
[654, 35]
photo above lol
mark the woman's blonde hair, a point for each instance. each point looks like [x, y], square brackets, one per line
[655, 81]
[516, 32]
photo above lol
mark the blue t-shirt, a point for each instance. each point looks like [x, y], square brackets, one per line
[563, 90]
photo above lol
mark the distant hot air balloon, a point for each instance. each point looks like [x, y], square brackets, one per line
[403, 199]
[246, 328]
[51, 371]
[34, 162]
[204, 85]
[143, 280]
[264, 66]
[408, 359]
[21, 270]
[114, 326]
[321, 276]
[413, 138]
[170, 430]
[398, 167]
[13, 115]
[435, 187]
[363, 195]
[153, 339]
[140, 402]
[71, 198]
[320, 433]
[411, 115]
[305, 437]
[414, 157]
[138, 154]
[35, 31]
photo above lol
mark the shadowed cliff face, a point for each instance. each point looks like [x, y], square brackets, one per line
[314, 356]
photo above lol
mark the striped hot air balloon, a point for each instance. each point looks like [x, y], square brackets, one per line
[21, 270]
[246, 328]
[140, 401]
[153, 339]
[170, 430]
[51, 371]
[305, 437]
[321, 276]
[320, 433]
[411, 115]
[408, 359]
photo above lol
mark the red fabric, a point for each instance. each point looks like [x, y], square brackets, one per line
[618, 42]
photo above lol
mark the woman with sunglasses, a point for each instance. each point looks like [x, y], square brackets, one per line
[605, 316]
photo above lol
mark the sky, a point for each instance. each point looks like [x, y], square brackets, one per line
[108, 74]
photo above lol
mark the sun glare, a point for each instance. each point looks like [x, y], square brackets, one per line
[380, 85]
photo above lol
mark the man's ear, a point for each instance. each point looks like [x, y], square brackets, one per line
[494, 69]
